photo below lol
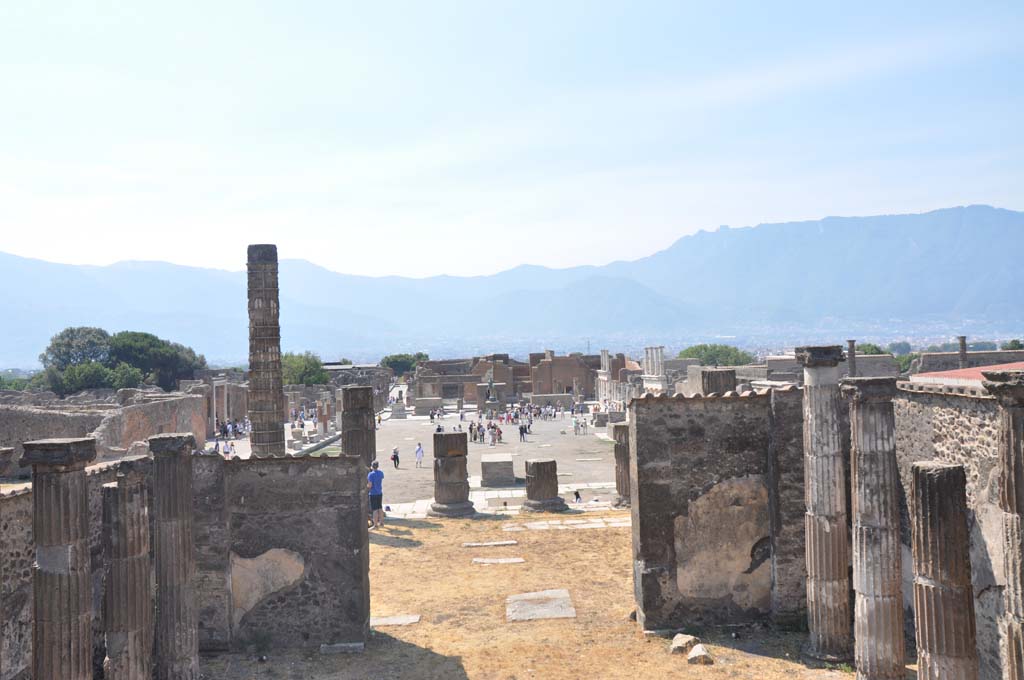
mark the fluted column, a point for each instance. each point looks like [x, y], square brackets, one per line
[61, 578]
[177, 618]
[266, 390]
[542, 486]
[877, 577]
[943, 596]
[620, 435]
[451, 476]
[1008, 388]
[827, 541]
[127, 609]
[358, 429]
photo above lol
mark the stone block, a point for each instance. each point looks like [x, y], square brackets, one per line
[65, 451]
[496, 469]
[545, 604]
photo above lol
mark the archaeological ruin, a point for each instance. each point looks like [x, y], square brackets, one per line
[874, 516]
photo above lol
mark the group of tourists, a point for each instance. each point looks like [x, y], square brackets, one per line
[232, 429]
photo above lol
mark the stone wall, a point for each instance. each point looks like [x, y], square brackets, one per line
[116, 428]
[930, 362]
[17, 553]
[696, 465]
[958, 425]
[138, 422]
[283, 551]
[20, 424]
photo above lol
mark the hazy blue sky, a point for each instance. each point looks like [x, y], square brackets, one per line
[435, 137]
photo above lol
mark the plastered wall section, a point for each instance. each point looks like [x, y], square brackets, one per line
[282, 552]
[701, 530]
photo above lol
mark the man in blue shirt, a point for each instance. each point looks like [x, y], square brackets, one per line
[375, 485]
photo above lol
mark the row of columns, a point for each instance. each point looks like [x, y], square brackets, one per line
[654, 360]
[61, 575]
[943, 595]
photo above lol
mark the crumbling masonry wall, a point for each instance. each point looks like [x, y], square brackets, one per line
[958, 425]
[282, 551]
[698, 464]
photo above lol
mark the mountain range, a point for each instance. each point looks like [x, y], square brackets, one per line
[853, 273]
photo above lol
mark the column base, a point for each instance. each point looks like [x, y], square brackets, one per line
[556, 504]
[463, 509]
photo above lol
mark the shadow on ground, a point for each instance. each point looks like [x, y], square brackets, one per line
[385, 657]
[760, 641]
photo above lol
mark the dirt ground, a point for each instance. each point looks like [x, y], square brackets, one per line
[420, 567]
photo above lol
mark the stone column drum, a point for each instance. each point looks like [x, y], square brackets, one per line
[357, 424]
[177, 616]
[127, 609]
[827, 540]
[266, 391]
[542, 486]
[877, 576]
[1008, 388]
[620, 435]
[61, 578]
[943, 596]
[451, 477]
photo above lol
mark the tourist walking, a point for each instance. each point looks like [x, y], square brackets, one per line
[375, 487]
[394, 456]
[419, 455]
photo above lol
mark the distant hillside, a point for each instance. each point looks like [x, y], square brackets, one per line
[941, 266]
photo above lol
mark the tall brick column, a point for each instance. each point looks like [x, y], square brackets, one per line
[266, 391]
[1008, 388]
[943, 596]
[451, 477]
[542, 486]
[827, 542]
[177, 616]
[127, 609]
[358, 427]
[61, 579]
[620, 435]
[877, 575]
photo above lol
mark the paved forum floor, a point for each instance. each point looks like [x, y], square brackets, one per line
[409, 483]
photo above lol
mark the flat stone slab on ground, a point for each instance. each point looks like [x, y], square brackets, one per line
[489, 544]
[587, 460]
[498, 560]
[544, 604]
[400, 620]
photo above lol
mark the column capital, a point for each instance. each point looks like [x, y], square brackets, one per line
[172, 443]
[262, 252]
[61, 452]
[820, 356]
[875, 389]
[1006, 386]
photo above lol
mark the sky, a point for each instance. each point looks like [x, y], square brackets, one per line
[423, 138]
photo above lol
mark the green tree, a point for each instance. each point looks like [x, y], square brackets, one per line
[869, 348]
[717, 355]
[17, 384]
[899, 349]
[90, 375]
[303, 369]
[904, 361]
[123, 375]
[161, 362]
[1012, 344]
[76, 345]
[403, 363]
